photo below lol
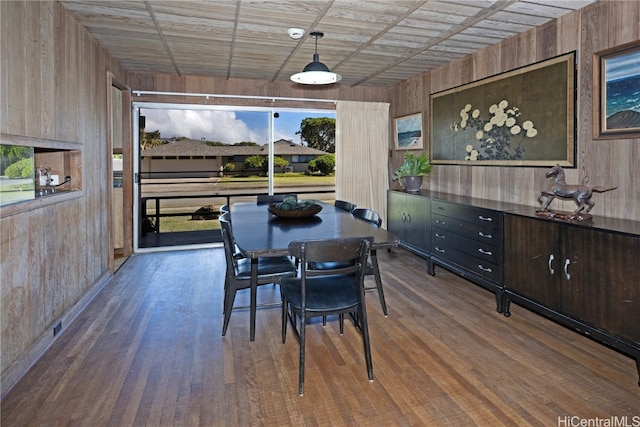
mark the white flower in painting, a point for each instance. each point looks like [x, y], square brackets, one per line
[495, 133]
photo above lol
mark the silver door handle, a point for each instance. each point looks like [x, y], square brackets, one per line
[551, 270]
[566, 268]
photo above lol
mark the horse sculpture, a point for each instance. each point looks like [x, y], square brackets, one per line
[581, 194]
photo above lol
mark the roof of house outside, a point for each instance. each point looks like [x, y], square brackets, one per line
[190, 147]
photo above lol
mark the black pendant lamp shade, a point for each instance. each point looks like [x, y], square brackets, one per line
[316, 73]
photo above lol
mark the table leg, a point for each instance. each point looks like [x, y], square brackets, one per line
[253, 303]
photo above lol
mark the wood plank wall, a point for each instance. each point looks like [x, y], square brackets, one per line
[53, 89]
[598, 27]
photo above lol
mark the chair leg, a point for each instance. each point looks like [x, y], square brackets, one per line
[364, 329]
[303, 321]
[285, 309]
[376, 275]
[229, 299]
[341, 321]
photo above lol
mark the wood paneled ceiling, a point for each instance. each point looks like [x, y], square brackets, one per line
[369, 42]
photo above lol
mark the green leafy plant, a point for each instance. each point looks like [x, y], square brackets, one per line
[414, 165]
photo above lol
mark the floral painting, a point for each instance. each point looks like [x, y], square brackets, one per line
[523, 117]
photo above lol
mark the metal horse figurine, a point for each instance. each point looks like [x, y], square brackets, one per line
[581, 194]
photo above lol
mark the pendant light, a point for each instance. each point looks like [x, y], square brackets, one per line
[316, 73]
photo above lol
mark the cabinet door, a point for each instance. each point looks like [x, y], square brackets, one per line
[417, 232]
[532, 260]
[395, 212]
[601, 280]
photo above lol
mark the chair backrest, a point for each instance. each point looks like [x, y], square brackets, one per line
[368, 215]
[227, 238]
[353, 249]
[224, 209]
[345, 206]
[266, 198]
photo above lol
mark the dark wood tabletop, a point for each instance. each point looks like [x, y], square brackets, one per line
[258, 233]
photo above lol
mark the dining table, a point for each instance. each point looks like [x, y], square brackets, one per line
[259, 233]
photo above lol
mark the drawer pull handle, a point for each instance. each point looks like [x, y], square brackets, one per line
[482, 251]
[439, 250]
[404, 217]
[440, 222]
[440, 208]
[439, 236]
[566, 268]
[485, 218]
[488, 270]
[409, 219]
[551, 270]
[488, 236]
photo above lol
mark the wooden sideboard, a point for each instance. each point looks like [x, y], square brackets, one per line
[583, 275]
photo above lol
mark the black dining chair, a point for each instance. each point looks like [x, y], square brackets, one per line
[325, 292]
[344, 205]
[238, 271]
[273, 198]
[372, 268]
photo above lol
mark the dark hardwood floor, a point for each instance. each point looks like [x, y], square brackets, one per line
[148, 351]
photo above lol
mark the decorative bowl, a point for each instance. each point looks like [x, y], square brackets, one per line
[294, 213]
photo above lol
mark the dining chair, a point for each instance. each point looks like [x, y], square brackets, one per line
[344, 205]
[238, 271]
[372, 268]
[273, 198]
[325, 292]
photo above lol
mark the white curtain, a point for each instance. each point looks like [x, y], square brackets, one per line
[362, 154]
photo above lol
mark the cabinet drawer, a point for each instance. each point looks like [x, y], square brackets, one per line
[480, 267]
[483, 217]
[488, 234]
[483, 250]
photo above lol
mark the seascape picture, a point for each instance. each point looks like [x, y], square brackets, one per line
[621, 91]
[408, 132]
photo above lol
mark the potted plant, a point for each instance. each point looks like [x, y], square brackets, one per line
[412, 171]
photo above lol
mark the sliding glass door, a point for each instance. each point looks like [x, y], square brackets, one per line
[192, 159]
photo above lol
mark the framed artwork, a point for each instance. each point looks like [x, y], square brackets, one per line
[524, 117]
[408, 132]
[619, 86]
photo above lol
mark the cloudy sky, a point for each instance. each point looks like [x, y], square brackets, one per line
[228, 127]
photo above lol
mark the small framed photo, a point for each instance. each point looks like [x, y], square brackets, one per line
[408, 133]
[619, 110]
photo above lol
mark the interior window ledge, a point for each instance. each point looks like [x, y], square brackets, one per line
[39, 202]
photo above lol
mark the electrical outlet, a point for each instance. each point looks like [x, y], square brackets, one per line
[57, 328]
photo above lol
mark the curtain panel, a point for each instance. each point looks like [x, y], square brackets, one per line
[362, 154]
